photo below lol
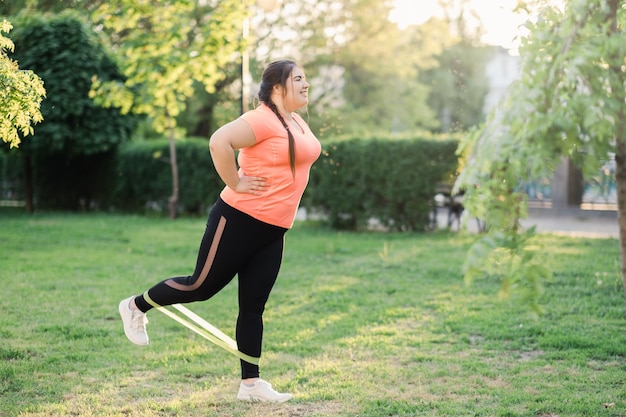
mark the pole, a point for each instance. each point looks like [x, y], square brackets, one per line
[245, 68]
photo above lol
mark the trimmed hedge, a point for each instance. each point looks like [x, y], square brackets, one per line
[11, 173]
[59, 182]
[356, 181]
[144, 177]
[390, 182]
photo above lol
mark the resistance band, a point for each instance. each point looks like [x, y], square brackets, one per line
[206, 329]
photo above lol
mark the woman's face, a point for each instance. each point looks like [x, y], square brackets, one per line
[296, 90]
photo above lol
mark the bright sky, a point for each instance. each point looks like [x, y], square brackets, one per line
[500, 24]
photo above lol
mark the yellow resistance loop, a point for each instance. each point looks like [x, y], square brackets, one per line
[206, 329]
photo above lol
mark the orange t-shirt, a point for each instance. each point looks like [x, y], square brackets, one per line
[269, 158]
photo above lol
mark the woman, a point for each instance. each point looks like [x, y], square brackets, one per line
[246, 226]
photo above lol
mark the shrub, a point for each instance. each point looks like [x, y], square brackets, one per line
[389, 181]
[144, 178]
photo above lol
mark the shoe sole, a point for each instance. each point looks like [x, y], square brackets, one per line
[253, 398]
[257, 399]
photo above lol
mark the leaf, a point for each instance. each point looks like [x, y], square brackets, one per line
[23, 93]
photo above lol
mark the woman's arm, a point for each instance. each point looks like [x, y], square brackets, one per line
[223, 144]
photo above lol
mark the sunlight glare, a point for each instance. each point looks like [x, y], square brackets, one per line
[501, 25]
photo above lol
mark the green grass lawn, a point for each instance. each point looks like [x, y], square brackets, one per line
[365, 324]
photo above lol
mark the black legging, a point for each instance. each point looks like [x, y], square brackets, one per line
[234, 243]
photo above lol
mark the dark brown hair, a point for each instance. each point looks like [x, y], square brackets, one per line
[278, 72]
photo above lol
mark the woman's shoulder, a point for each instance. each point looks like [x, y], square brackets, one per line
[260, 109]
[262, 113]
[263, 122]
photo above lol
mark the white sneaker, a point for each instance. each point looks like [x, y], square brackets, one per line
[134, 323]
[261, 391]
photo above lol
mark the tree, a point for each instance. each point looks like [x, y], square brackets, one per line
[569, 102]
[362, 67]
[22, 93]
[458, 84]
[342, 45]
[14, 7]
[165, 47]
[199, 118]
[382, 97]
[65, 52]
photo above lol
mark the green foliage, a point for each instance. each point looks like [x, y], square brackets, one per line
[134, 178]
[181, 60]
[14, 7]
[22, 93]
[143, 176]
[11, 173]
[82, 183]
[73, 146]
[64, 51]
[458, 86]
[363, 68]
[164, 47]
[391, 181]
[569, 102]
[516, 259]
[569, 99]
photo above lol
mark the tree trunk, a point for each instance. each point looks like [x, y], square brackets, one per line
[173, 200]
[205, 126]
[620, 180]
[620, 139]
